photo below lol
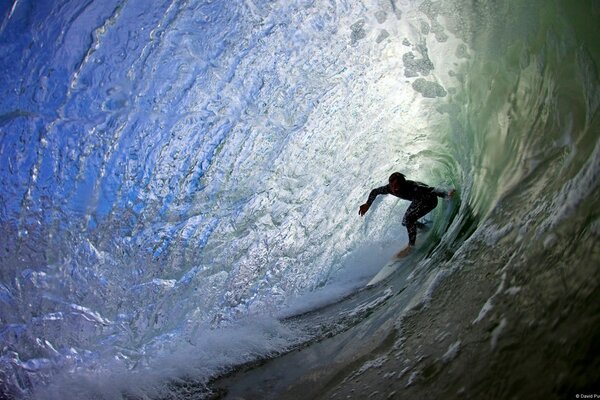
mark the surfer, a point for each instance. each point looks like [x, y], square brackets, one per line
[423, 199]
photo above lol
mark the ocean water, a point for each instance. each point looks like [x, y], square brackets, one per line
[181, 179]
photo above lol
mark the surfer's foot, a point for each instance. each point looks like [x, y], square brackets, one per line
[404, 252]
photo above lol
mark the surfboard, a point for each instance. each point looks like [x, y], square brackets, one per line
[395, 262]
[423, 225]
[387, 270]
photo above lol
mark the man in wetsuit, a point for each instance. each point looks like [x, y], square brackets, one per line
[423, 199]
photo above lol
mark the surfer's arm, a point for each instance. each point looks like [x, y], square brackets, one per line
[443, 193]
[374, 193]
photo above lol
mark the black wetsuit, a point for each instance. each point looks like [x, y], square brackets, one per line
[423, 198]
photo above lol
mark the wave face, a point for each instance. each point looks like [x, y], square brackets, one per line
[174, 174]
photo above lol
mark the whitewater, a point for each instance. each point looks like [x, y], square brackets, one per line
[180, 183]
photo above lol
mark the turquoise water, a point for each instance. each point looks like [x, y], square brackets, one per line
[178, 176]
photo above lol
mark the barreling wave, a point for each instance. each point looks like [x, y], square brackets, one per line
[177, 175]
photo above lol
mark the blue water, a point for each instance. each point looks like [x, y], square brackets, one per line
[176, 175]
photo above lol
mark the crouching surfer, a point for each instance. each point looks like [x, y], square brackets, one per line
[423, 199]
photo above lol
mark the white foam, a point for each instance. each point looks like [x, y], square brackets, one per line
[452, 352]
[376, 363]
[491, 235]
[413, 377]
[513, 290]
[425, 294]
[198, 358]
[403, 372]
[489, 304]
[497, 332]
[484, 310]
[372, 304]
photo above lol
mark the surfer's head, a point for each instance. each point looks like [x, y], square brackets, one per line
[396, 181]
[397, 177]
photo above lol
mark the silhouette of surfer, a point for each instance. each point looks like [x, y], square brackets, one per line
[423, 199]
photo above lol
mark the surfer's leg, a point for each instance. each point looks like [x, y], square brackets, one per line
[416, 210]
[409, 221]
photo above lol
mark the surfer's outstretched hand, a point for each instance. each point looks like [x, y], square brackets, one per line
[451, 193]
[363, 209]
